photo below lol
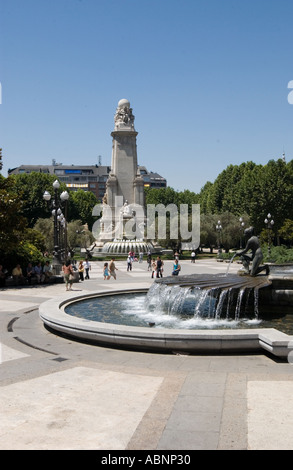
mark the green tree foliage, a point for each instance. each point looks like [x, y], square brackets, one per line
[30, 189]
[252, 189]
[18, 243]
[12, 222]
[46, 228]
[286, 231]
[77, 234]
[81, 204]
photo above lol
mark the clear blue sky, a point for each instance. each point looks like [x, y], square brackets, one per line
[207, 81]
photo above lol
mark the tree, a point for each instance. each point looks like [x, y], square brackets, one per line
[286, 231]
[78, 235]
[30, 188]
[17, 241]
[81, 204]
[46, 228]
[12, 222]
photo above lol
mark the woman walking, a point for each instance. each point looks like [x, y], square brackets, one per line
[68, 274]
[81, 270]
[106, 272]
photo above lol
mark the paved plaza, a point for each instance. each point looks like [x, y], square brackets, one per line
[57, 393]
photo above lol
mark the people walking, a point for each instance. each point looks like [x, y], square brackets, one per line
[81, 270]
[87, 267]
[154, 267]
[106, 272]
[112, 268]
[159, 267]
[149, 261]
[68, 274]
[129, 263]
[193, 256]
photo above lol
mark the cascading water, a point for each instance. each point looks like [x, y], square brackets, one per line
[213, 298]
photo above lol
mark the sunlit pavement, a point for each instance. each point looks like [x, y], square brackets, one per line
[57, 393]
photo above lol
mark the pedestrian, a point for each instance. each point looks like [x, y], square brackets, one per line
[112, 268]
[149, 261]
[106, 272]
[154, 267]
[176, 268]
[68, 274]
[129, 263]
[81, 270]
[193, 256]
[159, 267]
[87, 267]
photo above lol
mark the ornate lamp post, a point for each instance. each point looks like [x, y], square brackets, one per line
[219, 230]
[269, 223]
[64, 196]
[59, 220]
[241, 230]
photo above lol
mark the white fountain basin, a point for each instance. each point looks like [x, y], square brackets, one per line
[164, 340]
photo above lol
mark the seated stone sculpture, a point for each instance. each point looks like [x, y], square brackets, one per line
[252, 253]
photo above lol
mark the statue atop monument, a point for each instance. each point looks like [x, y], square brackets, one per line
[124, 117]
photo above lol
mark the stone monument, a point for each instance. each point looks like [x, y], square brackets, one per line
[123, 218]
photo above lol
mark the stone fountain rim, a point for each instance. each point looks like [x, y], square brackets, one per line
[52, 313]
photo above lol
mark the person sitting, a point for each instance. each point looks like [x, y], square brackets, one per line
[17, 275]
[2, 276]
[39, 273]
[176, 268]
[47, 271]
[30, 273]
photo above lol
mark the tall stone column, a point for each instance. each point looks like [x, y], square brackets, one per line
[125, 182]
[124, 195]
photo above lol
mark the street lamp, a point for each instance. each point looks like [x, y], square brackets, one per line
[219, 230]
[64, 196]
[269, 223]
[241, 230]
[59, 221]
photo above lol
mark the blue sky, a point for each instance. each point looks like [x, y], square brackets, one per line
[207, 81]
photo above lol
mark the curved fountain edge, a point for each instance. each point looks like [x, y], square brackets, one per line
[165, 340]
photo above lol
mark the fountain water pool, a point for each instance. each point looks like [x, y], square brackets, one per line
[223, 318]
[172, 306]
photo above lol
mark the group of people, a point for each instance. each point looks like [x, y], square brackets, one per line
[38, 272]
[157, 267]
[42, 274]
[68, 269]
[84, 268]
[110, 270]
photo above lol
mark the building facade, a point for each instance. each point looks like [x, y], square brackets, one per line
[87, 177]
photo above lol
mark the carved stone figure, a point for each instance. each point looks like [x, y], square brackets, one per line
[124, 115]
[255, 256]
